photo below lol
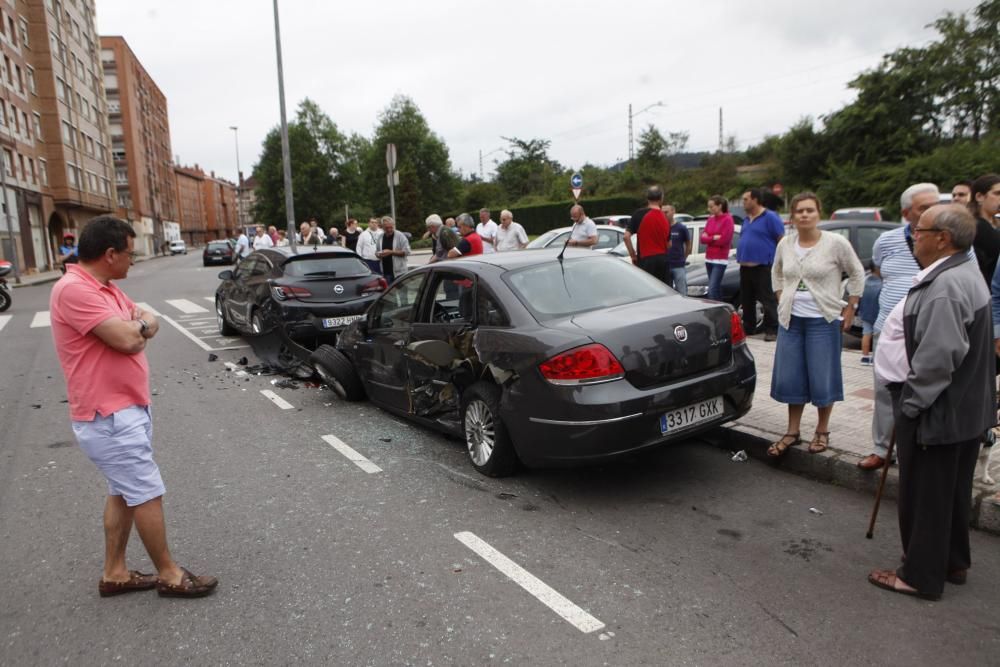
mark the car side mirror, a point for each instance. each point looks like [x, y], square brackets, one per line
[226, 275]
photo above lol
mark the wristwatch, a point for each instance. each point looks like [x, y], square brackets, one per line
[143, 327]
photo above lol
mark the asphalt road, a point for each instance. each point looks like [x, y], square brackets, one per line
[678, 557]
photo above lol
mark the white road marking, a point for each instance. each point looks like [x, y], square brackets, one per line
[277, 400]
[548, 596]
[199, 342]
[351, 454]
[4, 319]
[236, 369]
[209, 298]
[147, 307]
[41, 319]
[186, 307]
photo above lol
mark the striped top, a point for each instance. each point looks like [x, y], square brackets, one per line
[892, 256]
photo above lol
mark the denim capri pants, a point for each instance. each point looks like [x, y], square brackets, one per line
[807, 363]
[121, 447]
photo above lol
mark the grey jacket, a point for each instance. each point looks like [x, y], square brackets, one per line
[949, 395]
[399, 242]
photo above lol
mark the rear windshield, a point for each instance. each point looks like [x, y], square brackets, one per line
[578, 285]
[345, 266]
[218, 245]
[856, 215]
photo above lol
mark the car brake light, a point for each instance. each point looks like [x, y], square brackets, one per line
[377, 285]
[282, 292]
[737, 333]
[583, 365]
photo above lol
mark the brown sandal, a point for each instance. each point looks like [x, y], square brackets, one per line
[190, 586]
[777, 449]
[820, 441]
[137, 581]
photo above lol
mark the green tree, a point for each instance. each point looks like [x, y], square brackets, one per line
[425, 176]
[528, 169]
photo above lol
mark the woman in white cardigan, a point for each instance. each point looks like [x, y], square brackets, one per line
[806, 274]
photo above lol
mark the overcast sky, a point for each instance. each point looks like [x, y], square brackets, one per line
[479, 71]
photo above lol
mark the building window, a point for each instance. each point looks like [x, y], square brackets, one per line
[24, 172]
[105, 186]
[20, 79]
[24, 123]
[24, 30]
[60, 89]
[30, 76]
[37, 119]
[73, 173]
[43, 171]
[34, 173]
[8, 162]
[121, 176]
[3, 114]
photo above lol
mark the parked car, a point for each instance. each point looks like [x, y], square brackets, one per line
[608, 236]
[861, 234]
[615, 220]
[697, 256]
[218, 252]
[545, 362]
[312, 293]
[178, 248]
[859, 213]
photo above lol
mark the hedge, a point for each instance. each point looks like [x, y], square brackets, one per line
[543, 217]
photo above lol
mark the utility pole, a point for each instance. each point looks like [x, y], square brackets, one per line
[721, 142]
[239, 179]
[286, 159]
[631, 149]
[481, 165]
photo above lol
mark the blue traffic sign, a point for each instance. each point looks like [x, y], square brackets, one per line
[576, 181]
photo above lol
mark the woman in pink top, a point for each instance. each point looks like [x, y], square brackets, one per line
[717, 236]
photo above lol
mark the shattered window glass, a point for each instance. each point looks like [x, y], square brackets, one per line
[395, 308]
[453, 298]
[557, 289]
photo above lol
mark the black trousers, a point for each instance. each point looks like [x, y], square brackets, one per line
[935, 504]
[656, 265]
[755, 285]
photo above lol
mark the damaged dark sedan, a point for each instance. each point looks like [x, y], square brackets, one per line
[545, 361]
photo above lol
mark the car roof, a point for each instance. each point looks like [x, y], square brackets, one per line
[516, 259]
[560, 230]
[885, 224]
[300, 251]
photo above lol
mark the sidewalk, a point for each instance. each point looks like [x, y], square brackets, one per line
[850, 436]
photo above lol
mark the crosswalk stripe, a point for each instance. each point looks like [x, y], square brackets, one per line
[4, 319]
[145, 306]
[186, 307]
[210, 299]
[41, 319]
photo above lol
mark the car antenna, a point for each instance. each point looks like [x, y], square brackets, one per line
[561, 252]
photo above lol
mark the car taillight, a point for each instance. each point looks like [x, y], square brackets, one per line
[736, 331]
[583, 365]
[377, 285]
[282, 292]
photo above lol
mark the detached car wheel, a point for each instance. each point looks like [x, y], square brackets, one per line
[490, 449]
[225, 329]
[337, 371]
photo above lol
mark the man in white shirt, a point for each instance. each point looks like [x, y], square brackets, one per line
[242, 246]
[262, 240]
[487, 230]
[510, 234]
[368, 245]
[584, 234]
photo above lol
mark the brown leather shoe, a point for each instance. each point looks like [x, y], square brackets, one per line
[190, 586]
[137, 581]
[871, 462]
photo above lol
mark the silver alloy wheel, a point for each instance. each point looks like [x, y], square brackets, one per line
[331, 381]
[255, 324]
[220, 319]
[480, 431]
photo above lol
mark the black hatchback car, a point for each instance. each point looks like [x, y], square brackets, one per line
[218, 252]
[312, 293]
[547, 362]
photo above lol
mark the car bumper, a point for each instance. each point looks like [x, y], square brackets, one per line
[304, 321]
[605, 421]
[217, 259]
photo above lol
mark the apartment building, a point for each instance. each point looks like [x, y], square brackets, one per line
[208, 205]
[61, 75]
[247, 201]
[140, 147]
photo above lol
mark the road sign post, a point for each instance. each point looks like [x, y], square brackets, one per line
[392, 178]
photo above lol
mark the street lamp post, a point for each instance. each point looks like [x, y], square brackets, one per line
[286, 159]
[239, 179]
[631, 150]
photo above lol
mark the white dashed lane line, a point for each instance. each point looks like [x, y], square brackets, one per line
[277, 400]
[353, 456]
[4, 319]
[186, 307]
[41, 319]
[548, 596]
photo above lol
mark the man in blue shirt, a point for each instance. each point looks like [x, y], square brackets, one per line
[759, 237]
[677, 254]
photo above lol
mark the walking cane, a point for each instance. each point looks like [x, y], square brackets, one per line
[881, 484]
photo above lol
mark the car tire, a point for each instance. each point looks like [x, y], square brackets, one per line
[487, 442]
[5, 300]
[225, 329]
[336, 370]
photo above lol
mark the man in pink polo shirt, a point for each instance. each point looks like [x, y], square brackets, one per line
[100, 336]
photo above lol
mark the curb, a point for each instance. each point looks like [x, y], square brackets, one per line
[840, 468]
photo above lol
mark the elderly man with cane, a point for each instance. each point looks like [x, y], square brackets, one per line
[936, 357]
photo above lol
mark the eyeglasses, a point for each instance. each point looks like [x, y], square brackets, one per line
[918, 230]
[131, 253]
